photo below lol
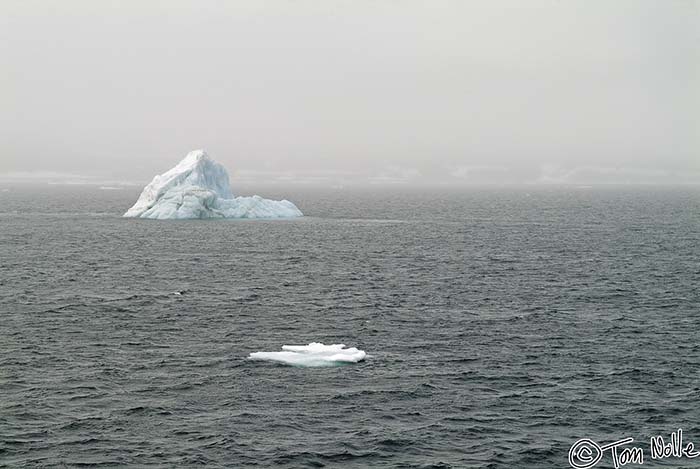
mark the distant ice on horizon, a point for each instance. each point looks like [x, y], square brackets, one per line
[198, 187]
[312, 355]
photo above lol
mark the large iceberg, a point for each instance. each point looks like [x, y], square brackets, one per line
[198, 187]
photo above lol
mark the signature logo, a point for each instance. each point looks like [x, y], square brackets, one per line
[586, 453]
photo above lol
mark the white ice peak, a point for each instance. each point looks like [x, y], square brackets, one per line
[198, 187]
[198, 169]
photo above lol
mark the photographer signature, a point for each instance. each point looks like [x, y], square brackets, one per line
[586, 453]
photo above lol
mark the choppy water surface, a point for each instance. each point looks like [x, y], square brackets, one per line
[502, 325]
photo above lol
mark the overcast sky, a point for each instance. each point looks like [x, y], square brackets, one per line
[382, 91]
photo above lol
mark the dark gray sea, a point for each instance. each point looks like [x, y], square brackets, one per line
[502, 324]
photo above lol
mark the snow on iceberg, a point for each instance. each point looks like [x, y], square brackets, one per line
[314, 354]
[198, 187]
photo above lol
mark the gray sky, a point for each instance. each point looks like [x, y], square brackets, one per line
[326, 91]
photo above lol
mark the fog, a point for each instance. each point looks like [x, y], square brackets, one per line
[335, 92]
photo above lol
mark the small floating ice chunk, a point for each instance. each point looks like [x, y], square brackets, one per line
[314, 354]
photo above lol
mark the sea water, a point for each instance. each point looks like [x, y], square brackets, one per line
[501, 325]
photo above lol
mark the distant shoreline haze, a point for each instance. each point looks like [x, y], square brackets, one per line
[421, 92]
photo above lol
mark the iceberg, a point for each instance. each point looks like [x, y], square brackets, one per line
[198, 187]
[314, 354]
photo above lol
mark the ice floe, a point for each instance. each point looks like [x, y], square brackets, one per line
[314, 354]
